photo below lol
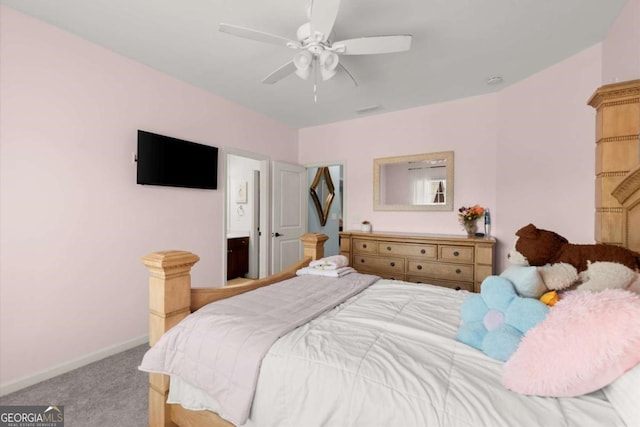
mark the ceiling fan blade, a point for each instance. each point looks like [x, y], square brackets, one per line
[341, 67]
[280, 73]
[373, 45]
[260, 36]
[323, 16]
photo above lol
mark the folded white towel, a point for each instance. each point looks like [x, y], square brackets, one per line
[330, 263]
[339, 272]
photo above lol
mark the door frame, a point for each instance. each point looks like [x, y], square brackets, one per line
[265, 209]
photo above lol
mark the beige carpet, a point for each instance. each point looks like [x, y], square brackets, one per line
[109, 393]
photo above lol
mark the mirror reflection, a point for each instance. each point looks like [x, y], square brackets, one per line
[322, 193]
[420, 182]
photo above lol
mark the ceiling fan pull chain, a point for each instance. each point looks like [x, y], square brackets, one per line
[315, 80]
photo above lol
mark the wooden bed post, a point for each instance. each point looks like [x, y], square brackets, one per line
[171, 299]
[314, 245]
[169, 302]
[617, 147]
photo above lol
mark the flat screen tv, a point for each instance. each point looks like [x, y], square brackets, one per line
[163, 160]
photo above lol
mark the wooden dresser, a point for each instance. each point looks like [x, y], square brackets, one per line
[444, 260]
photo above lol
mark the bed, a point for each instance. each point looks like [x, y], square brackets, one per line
[385, 355]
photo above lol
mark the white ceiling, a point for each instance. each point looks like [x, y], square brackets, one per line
[457, 45]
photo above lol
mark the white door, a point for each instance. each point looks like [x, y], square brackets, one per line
[289, 218]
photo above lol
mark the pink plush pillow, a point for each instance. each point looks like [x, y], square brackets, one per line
[588, 340]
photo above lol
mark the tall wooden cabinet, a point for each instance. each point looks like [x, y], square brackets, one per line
[443, 260]
[617, 155]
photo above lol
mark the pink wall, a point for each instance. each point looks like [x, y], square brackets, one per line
[467, 126]
[525, 152]
[546, 151]
[621, 47]
[74, 223]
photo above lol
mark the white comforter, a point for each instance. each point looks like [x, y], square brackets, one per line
[388, 357]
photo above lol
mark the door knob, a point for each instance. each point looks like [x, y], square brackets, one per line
[276, 234]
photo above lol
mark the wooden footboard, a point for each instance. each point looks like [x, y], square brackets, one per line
[171, 299]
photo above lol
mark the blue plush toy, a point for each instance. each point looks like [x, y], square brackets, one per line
[496, 319]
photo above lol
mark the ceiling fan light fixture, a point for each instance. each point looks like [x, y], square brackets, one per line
[327, 74]
[303, 74]
[302, 61]
[328, 63]
[328, 60]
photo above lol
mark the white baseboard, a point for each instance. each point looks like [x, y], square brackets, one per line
[46, 374]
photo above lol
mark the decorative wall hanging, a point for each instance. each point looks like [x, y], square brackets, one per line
[322, 191]
[241, 192]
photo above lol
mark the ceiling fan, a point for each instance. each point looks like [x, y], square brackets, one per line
[316, 50]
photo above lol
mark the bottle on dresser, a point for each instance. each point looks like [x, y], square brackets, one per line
[487, 223]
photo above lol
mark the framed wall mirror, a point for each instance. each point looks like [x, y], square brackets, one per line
[322, 193]
[420, 182]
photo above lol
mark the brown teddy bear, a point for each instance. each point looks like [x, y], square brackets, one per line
[562, 264]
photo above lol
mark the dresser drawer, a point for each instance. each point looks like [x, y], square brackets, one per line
[379, 264]
[441, 270]
[365, 246]
[456, 253]
[467, 286]
[402, 249]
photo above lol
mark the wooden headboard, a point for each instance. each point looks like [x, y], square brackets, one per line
[628, 195]
[618, 164]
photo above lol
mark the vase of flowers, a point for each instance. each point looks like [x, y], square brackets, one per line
[468, 217]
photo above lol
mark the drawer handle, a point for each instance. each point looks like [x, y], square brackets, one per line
[458, 288]
[362, 260]
[422, 251]
[393, 264]
[388, 248]
[419, 267]
[364, 246]
[456, 253]
[458, 271]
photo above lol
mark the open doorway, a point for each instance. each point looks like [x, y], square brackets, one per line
[332, 224]
[247, 219]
